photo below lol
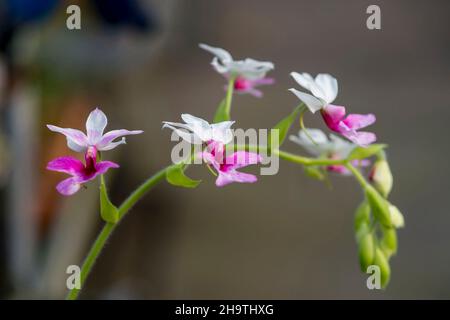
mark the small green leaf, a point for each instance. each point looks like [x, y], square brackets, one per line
[385, 270]
[283, 127]
[108, 211]
[360, 153]
[221, 113]
[362, 215]
[366, 250]
[379, 206]
[315, 173]
[175, 176]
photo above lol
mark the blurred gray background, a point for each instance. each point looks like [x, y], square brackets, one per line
[287, 236]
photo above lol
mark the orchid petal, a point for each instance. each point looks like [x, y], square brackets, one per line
[358, 121]
[220, 53]
[68, 186]
[104, 166]
[308, 82]
[361, 138]
[187, 136]
[333, 115]
[221, 131]
[68, 165]
[328, 85]
[106, 142]
[226, 178]
[314, 104]
[241, 159]
[76, 140]
[95, 125]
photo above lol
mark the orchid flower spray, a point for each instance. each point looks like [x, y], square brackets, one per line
[376, 219]
[324, 90]
[248, 74]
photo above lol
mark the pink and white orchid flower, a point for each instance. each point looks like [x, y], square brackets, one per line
[199, 131]
[331, 148]
[249, 73]
[226, 166]
[80, 172]
[324, 89]
[95, 125]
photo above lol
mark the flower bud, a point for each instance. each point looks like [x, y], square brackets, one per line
[379, 206]
[397, 219]
[381, 177]
[366, 251]
[362, 215]
[388, 243]
[382, 262]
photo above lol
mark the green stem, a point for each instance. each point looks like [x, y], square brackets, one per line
[357, 174]
[229, 96]
[109, 228]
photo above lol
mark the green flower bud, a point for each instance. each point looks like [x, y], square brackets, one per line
[381, 177]
[388, 242]
[362, 215]
[385, 270]
[366, 251]
[379, 206]
[397, 218]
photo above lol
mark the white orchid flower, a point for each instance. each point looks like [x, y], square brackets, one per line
[250, 69]
[324, 89]
[196, 130]
[95, 125]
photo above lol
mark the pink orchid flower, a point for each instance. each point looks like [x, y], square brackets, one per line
[80, 172]
[226, 166]
[324, 89]
[249, 73]
[95, 125]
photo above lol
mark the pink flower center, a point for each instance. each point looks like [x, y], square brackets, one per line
[242, 84]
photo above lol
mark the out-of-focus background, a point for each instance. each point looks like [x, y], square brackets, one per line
[285, 237]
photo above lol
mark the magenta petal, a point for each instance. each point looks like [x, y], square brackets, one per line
[242, 159]
[254, 92]
[333, 115]
[68, 165]
[68, 186]
[358, 121]
[361, 138]
[263, 81]
[340, 169]
[226, 178]
[104, 166]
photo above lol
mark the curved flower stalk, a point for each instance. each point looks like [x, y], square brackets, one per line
[247, 74]
[324, 90]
